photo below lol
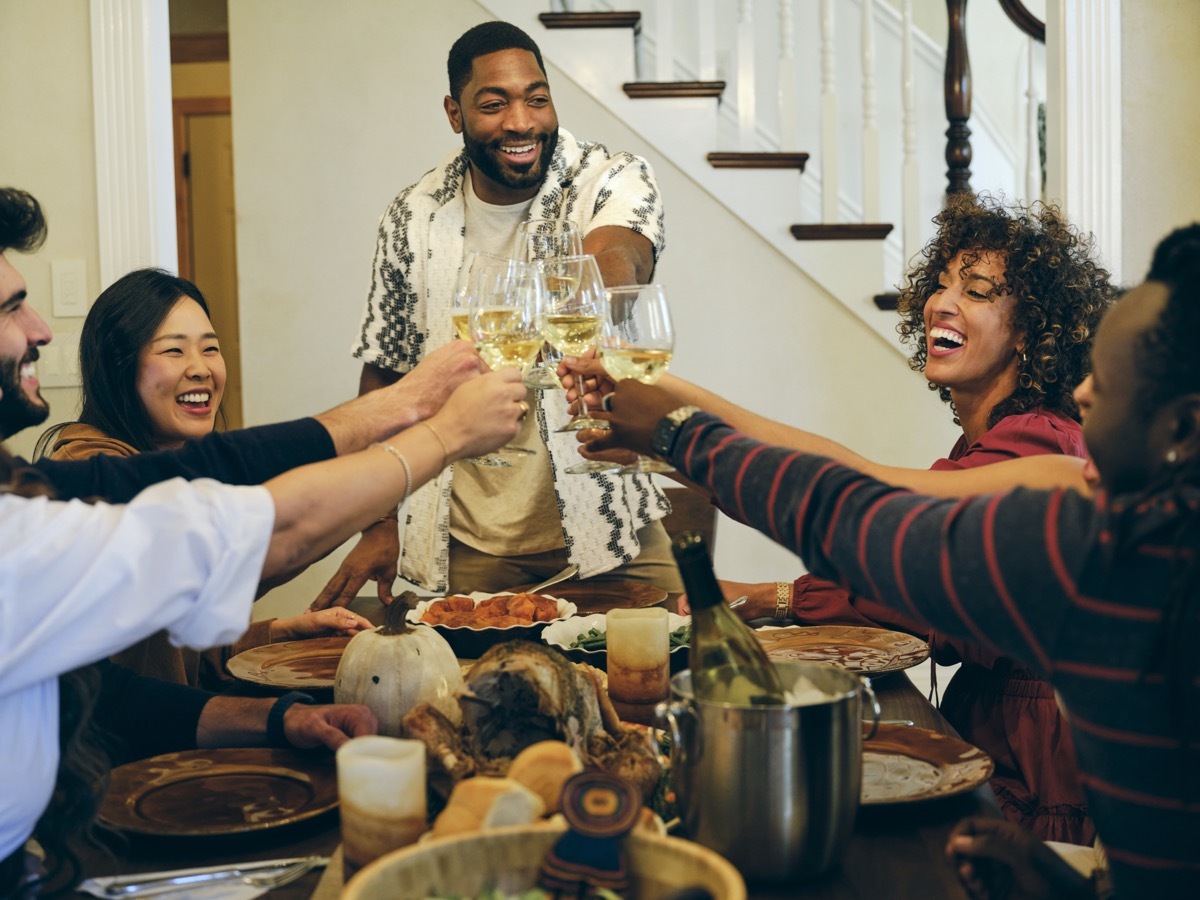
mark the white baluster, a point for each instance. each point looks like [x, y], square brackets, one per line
[829, 137]
[745, 75]
[870, 123]
[1033, 162]
[706, 11]
[664, 40]
[911, 171]
[788, 132]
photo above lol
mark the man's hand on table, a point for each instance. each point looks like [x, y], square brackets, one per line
[319, 623]
[996, 858]
[331, 725]
[373, 558]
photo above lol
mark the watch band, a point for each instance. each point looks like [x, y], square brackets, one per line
[275, 733]
[783, 600]
[666, 432]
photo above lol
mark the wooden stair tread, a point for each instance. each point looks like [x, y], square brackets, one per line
[757, 160]
[640, 90]
[592, 20]
[850, 231]
[887, 301]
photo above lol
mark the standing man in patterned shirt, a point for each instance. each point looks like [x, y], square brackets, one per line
[480, 528]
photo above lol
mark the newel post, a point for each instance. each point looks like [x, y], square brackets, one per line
[957, 88]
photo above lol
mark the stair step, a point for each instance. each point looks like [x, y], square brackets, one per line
[592, 20]
[757, 160]
[887, 301]
[640, 90]
[852, 231]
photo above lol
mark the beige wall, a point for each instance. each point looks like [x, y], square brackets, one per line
[1160, 85]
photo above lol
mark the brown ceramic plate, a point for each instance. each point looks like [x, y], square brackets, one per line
[226, 791]
[601, 596]
[871, 651]
[902, 764]
[293, 665]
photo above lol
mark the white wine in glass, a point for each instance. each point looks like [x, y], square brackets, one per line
[473, 263]
[637, 342]
[543, 241]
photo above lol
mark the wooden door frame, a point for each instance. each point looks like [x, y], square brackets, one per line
[182, 109]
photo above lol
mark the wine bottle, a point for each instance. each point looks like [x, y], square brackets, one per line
[728, 663]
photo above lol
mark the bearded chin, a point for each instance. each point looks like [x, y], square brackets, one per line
[16, 410]
[483, 158]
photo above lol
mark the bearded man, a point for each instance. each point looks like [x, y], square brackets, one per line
[479, 528]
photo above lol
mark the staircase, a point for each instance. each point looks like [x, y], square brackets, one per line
[831, 211]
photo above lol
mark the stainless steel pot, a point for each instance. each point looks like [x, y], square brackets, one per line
[773, 789]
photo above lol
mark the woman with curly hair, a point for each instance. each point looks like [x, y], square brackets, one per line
[1001, 311]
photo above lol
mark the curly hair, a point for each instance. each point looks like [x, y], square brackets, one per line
[1051, 269]
[22, 224]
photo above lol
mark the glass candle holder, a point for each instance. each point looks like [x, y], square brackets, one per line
[381, 795]
[639, 661]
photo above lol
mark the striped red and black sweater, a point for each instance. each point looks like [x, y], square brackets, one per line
[1072, 587]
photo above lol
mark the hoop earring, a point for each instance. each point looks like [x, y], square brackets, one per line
[1172, 456]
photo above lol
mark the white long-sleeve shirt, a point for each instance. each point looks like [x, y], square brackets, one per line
[79, 582]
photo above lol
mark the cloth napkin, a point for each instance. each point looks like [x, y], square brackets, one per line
[221, 890]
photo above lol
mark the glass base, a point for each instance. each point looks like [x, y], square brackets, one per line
[541, 378]
[588, 466]
[583, 423]
[647, 466]
[491, 461]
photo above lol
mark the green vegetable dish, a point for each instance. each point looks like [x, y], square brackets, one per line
[595, 639]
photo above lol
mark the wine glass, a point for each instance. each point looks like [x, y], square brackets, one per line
[637, 342]
[473, 263]
[543, 240]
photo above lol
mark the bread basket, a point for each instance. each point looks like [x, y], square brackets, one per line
[508, 859]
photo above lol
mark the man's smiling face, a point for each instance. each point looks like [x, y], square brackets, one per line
[22, 331]
[508, 123]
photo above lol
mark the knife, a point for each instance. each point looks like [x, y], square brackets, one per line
[140, 885]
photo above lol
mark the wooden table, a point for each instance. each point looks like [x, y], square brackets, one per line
[896, 851]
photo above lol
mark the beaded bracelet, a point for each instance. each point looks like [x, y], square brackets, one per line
[407, 470]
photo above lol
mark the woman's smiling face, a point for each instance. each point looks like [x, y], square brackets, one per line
[972, 344]
[181, 376]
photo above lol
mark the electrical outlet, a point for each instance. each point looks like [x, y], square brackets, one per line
[68, 279]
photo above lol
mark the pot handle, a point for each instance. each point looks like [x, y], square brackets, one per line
[876, 711]
[671, 711]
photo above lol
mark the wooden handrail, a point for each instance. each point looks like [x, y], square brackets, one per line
[1024, 19]
[957, 87]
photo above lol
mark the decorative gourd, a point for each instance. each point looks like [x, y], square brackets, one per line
[394, 667]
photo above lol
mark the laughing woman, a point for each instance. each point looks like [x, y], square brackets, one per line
[153, 377]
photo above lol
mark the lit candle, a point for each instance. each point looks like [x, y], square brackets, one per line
[381, 794]
[639, 670]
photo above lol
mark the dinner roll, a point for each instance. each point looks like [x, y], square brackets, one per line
[479, 803]
[544, 768]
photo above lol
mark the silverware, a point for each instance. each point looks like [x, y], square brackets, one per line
[569, 572]
[740, 601]
[908, 722]
[263, 874]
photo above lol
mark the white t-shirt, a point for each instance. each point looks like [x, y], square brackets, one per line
[80, 582]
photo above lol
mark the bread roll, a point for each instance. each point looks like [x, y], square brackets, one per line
[544, 768]
[482, 802]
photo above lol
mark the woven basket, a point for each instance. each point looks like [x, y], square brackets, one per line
[509, 858]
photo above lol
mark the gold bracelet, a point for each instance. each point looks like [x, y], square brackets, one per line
[407, 470]
[433, 431]
[783, 600]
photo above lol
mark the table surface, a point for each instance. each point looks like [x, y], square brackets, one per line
[895, 851]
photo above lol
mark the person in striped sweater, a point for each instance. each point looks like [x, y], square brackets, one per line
[1098, 595]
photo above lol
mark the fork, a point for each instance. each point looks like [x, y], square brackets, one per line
[271, 878]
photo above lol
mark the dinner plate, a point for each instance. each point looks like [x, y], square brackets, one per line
[222, 791]
[562, 634]
[872, 651]
[290, 665]
[904, 763]
[601, 596]
[470, 641]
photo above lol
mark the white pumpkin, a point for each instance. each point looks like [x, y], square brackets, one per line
[395, 667]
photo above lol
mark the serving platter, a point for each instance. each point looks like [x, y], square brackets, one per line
[903, 764]
[601, 596]
[290, 665]
[563, 634]
[870, 651]
[470, 641]
[219, 792]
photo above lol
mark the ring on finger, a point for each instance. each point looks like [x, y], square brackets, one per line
[524, 408]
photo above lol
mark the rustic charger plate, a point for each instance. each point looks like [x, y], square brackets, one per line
[290, 665]
[601, 596]
[902, 764]
[871, 651]
[223, 791]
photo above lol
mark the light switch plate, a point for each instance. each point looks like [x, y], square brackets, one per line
[58, 361]
[68, 279]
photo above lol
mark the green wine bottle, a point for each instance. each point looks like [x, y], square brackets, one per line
[728, 663]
